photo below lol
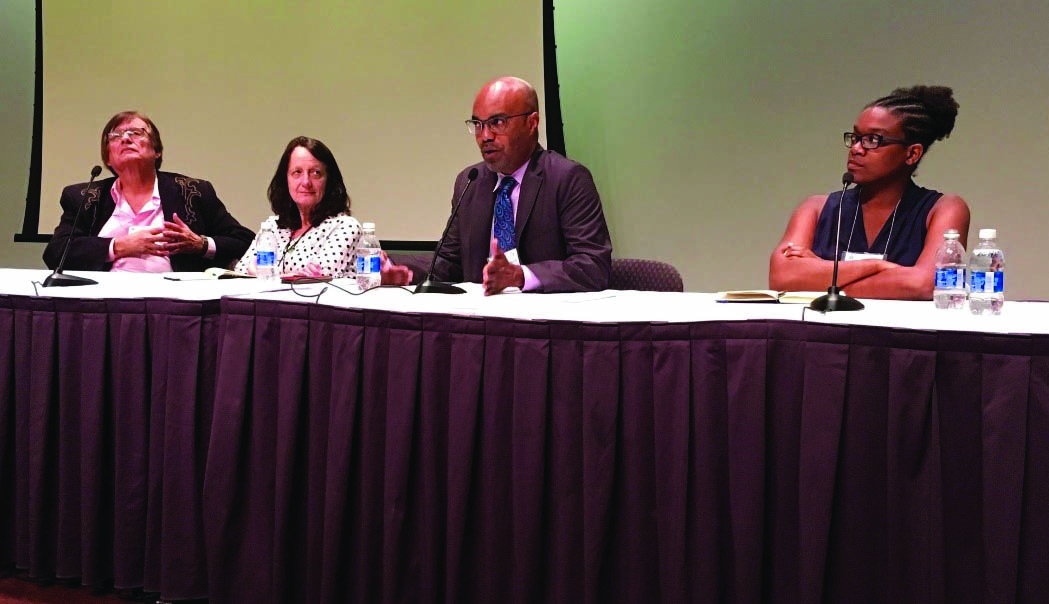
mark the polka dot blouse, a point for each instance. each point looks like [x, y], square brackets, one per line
[331, 245]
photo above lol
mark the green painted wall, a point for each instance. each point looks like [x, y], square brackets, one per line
[705, 123]
[17, 23]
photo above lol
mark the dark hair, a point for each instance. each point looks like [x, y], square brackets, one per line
[120, 118]
[926, 113]
[334, 201]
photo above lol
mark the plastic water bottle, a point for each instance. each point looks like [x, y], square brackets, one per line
[986, 275]
[266, 253]
[369, 259]
[949, 288]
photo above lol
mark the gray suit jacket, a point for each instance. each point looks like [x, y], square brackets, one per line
[561, 232]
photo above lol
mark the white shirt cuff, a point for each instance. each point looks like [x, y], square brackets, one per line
[531, 281]
[211, 248]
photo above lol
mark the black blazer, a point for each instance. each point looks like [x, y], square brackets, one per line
[192, 199]
[561, 232]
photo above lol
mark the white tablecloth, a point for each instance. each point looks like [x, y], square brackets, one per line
[609, 306]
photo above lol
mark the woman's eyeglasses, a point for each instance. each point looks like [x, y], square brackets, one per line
[871, 141]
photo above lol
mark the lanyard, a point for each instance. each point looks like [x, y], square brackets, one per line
[290, 246]
[888, 238]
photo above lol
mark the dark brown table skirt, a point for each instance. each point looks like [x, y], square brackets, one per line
[282, 452]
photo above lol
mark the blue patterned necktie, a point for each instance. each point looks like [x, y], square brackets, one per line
[503, 227]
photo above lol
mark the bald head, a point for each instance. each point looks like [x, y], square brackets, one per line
[513, 89]
[507, 147]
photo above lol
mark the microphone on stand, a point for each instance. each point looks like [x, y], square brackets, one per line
[835, 300]
[437, 287]
[57, 278]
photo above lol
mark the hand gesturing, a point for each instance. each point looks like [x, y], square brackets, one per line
[500, 273]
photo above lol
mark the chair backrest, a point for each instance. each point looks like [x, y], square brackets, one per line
[645, 275]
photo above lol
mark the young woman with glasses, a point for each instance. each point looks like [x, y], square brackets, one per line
[890, 226]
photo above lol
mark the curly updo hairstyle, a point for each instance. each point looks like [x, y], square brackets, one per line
[926, 113]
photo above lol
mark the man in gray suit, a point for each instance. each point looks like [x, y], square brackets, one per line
[532, 219]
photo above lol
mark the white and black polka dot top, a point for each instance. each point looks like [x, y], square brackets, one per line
[331, 247]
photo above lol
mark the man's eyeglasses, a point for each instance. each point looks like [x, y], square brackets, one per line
[871, 141]
[496, 125]
[135, 134]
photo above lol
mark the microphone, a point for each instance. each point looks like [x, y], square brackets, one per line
[436, 287]
[57, 279]
[834, 299]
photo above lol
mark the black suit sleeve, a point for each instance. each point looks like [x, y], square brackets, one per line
[449, 264]
[587, 246]
[86, 252]
[231, 238]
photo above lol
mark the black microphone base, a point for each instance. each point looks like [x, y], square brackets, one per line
[835, 301]
[436, 287]
[64, 280]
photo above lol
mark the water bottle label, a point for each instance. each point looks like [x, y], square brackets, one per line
[265, 258]
[369, 264]
[950, 278]
[989, 282]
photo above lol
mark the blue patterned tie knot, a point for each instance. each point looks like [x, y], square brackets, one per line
[503, 226]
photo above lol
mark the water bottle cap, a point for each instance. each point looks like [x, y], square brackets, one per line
[368, 226]
[951, 234]
[988, 233]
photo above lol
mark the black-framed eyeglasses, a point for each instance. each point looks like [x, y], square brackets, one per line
[496, 125]
[871, 141]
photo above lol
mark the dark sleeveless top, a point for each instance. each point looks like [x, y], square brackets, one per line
[908, 231]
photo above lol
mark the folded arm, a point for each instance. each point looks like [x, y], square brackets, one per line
[791, 268]
[916, 282]
[794, 267]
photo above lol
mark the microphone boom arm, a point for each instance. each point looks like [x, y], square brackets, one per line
[58, 278]
[834, 299]
[428, 286]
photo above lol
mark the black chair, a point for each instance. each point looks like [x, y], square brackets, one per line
[645, 275]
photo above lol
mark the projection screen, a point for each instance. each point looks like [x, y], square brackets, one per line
[386, 85]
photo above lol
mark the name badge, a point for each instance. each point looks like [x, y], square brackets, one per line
[850, 256]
